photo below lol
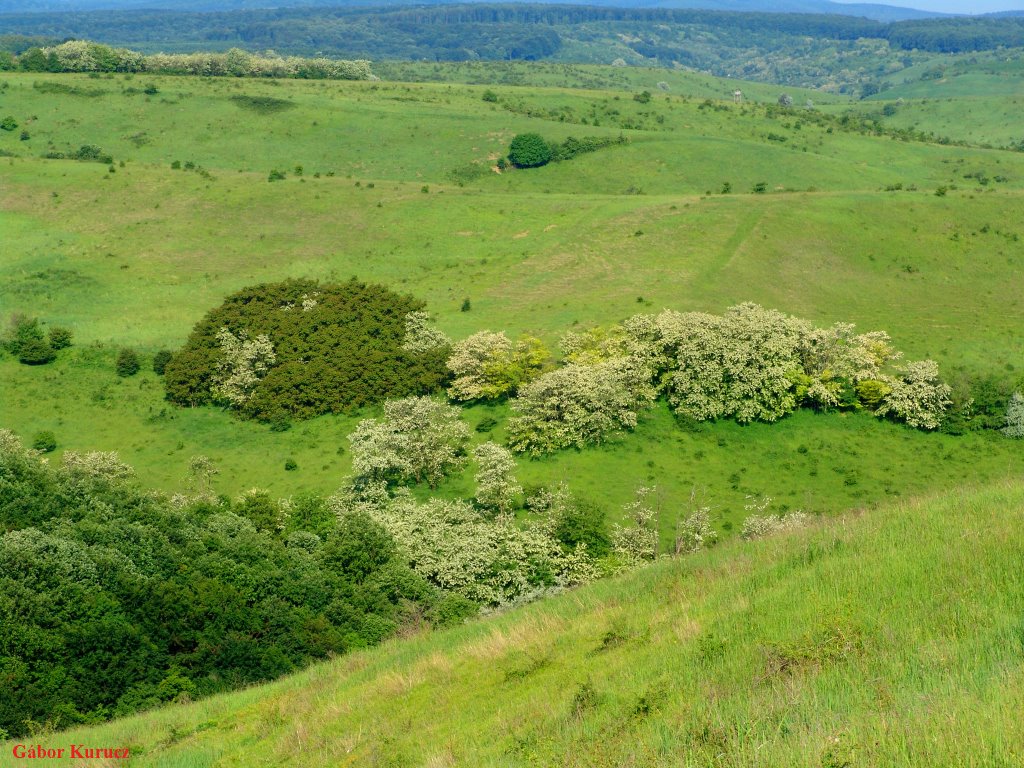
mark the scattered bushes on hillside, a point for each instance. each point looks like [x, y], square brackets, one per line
[299, 349]
[115, 599]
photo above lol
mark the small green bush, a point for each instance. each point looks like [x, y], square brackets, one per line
[529, 150]
[127, 363]
[290, 465]
[8, 123]
[60, 337]
[490, 96]
[45, 441]
[160, 361]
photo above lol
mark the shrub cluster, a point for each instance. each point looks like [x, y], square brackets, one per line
[115, 599]
[750, 364]
[531, 150]
[26, 340]
[300, 349]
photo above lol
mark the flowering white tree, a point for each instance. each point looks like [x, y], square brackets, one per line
[418, 439]
[918, 397]
[578, 405]
[1015, 417]
[243, 363]
[488, 365]
[744, 364]
[421, 336]
[638, 542]
[496, 485]
[493, 562]
[835, 357]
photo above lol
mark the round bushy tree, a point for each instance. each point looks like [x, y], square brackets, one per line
[127, 363]
[529, 150]
[335, 348]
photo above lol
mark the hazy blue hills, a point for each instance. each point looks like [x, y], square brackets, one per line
[869, 10]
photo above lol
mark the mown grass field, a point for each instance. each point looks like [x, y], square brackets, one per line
[136, 255]
[891, 638]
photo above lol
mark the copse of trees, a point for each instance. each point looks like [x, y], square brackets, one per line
[531, 150]
[116, 599]
[299, 349]
[749, 364]
[86, 56]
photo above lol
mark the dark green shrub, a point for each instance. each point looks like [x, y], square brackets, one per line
[490, 96]
[60, 337]
[160, 361]
[529, 150]
[25, 341]
[466, 305]
[151, 90]
[276, 175]
[290, 465]
[344, 353]
[760, 188]
[644, 97]
[582, 523]
[45, 441]
[25, 136]
[8, 124]
[127, 363]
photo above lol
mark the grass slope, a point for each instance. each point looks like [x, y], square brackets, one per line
[135, 257]
[891, 638]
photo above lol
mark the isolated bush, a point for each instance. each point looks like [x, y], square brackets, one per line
[490, 96]
[60, 337]
[529, 150]
[127, 363]
[8, 124]
[760, 526]
[160, 361]
[337, 347]
[44, 441]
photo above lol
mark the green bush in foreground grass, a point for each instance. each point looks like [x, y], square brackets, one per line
[127, 363]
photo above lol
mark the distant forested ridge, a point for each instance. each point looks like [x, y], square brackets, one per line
[503, 31]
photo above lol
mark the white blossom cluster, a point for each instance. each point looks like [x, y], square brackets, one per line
[421, 336]
[244, 361]
[417, 439]
[488, 365]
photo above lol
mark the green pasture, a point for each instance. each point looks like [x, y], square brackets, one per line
[397, 186]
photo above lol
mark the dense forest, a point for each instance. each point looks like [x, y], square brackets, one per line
[503, 31]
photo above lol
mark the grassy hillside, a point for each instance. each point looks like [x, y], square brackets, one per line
[136, 255]
[889, 638]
